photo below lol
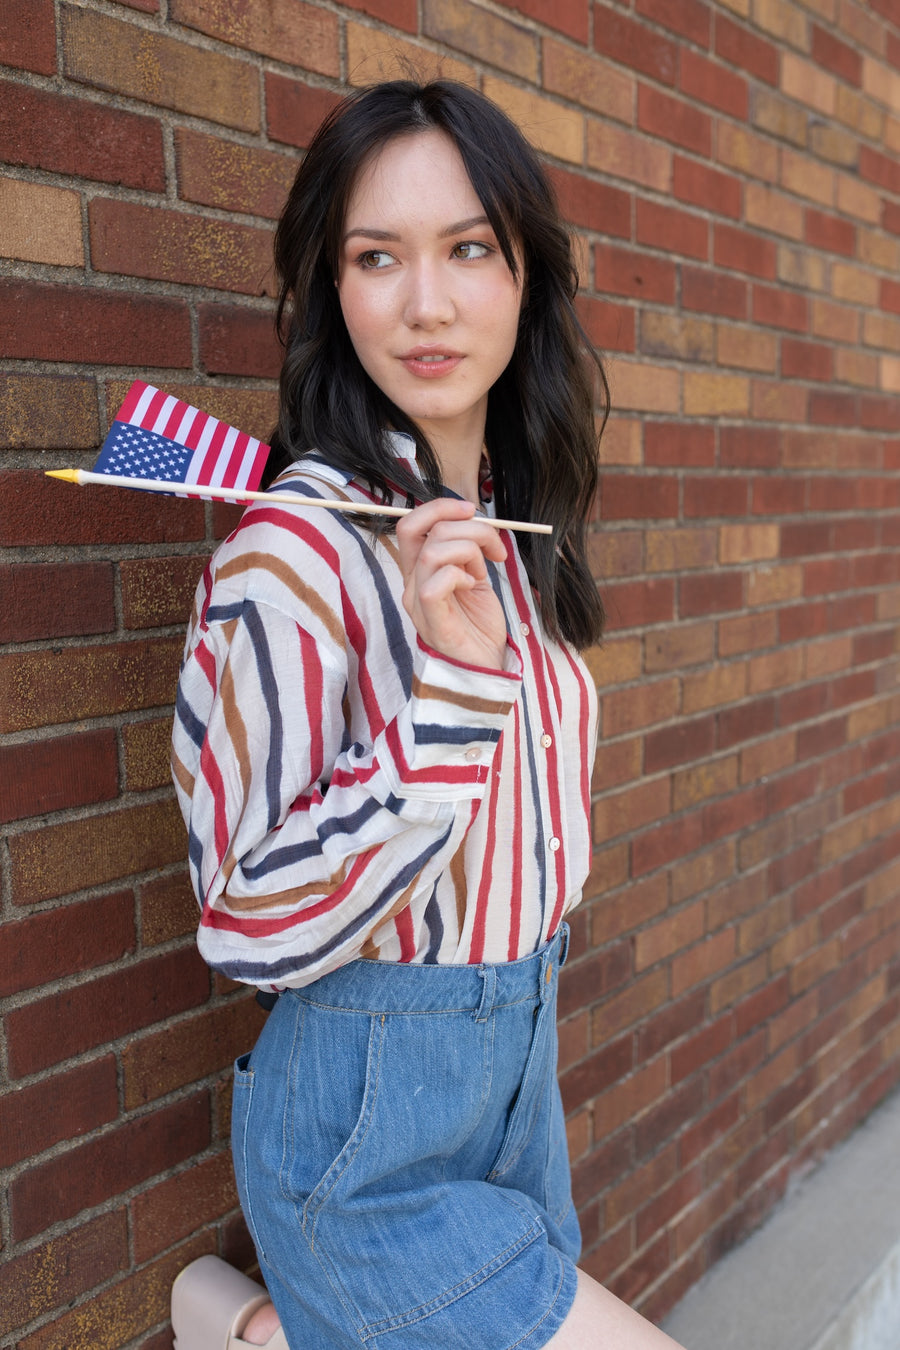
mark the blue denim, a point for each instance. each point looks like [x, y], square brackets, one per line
[401, 1157]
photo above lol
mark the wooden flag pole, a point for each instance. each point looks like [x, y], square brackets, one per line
[239, 496]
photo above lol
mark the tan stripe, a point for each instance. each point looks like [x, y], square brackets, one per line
[181, 775]
[307, 595]
[293, 898]
[458, 877]
[483, 705]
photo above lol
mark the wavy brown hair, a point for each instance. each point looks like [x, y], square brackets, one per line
[540, 434]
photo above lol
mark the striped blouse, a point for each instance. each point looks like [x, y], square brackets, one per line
[348, 791]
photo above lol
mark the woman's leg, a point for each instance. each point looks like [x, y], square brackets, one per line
[262, 1325]
[598, 1320]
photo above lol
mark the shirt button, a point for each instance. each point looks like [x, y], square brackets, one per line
[524, 629]
[554, 844]
[546, 741]
[473, 753]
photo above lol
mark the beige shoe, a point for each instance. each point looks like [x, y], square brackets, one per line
[212, 1304]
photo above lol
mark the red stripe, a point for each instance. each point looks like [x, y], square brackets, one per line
[212, 453]
[232, 468]
[583, 723]
[207, 663]
[174, 421]
[256, 469]
[210, 771]
[152, 410]
[313, 689]
[132, 398]
[515, 899]
[196, 429]
[267, 927]
[406, 934]
[479, 929]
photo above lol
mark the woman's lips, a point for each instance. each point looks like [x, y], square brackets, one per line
[430, 364]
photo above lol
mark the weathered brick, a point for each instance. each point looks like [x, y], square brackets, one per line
[61, 859]
[680, 336]
[65, 684]
[28, 35]
[69, 323]
[713, 292]
[680, 550]
[628, 709]
[40, 224]
[634, 44]
[688, 644]
[716, 395]
[625, 154]
[62, 1107]
[65, 941]
[146, 241]
[72, 136]
[106, 1166]
[176, 1208]
[157, 591]
[168, 909]
[710, 594]
[299, 34]
[489, 38]
[577, 76]
[48, 775]
[623, 271]
[146, 746]
[621, 812]
[156, 68]
[39, 510]
[213, 171]
[294, 110]
[57, 1272]
[373, 54]
[42, 600]
[198, 1046]
[569, 16]
[551, 127]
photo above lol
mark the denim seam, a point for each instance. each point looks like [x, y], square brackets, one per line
[540, 1322]
[288, 1134]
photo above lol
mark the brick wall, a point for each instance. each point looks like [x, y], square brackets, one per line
[732, 1007]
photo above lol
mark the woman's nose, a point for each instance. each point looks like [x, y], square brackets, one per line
[428, 299]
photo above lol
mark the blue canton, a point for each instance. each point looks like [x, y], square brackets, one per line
[135, 453]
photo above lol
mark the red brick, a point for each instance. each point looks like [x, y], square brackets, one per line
[590, 979]
[876, 167]
[701, 185]
[198, 1046]
[65, 941]
[664, 843]
[710, 83]
[299, 34]
[672, 119]
[750, 447]
[68, 323]
[714, 593]
[47, 775]
[744, 251]
[638, 496]
[92, 1172]
[66, 135]
[741, 47]
[61, 859]
[665, 1120]
[65, 684]
[834, 408]
[806, 360]
[609, 327]
[157, 591]
[213, 171]
[62, 1107]
[686, 741]
[596, 206]
[295, 110]
[669, 1201]
[713, 497]
[712, 292]
[568, 16]
[633, 604]
[168, 909]
[837, 56]
[55, 600]
[146, 241]
[57, 1272]
[623, 271]
[596, 1073]
[28, 35]
[176, 1208]
[669, 228]
[46, 412]
[39, 510]
[780, 308]
[830, 233]
[879, 413]
[634, 44]
[679, 444]
[54, 1028]
[890, 216]
[689, 18]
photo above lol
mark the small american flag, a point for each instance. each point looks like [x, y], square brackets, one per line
[156, 435]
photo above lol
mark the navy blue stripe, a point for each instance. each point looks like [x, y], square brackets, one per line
[221, 613]
[188, 719]
[269, 686]
[432, 733]
[435, 925]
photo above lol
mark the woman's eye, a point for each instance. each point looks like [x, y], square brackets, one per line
[470, 249]
[374, 259]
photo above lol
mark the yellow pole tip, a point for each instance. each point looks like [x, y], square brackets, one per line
[67, 475]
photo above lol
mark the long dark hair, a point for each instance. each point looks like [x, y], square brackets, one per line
[540, 432]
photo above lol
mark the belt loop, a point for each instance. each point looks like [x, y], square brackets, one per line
[488, 993]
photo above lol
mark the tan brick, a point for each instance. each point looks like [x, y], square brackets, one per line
[778, 401]
[759, 929]
[746, 151]
[622, 812]
[799, 267]
[891, 135]
[625, 154]
[683, 645]
[881, 82]
[288, 30]
[839, 322]
[884, 887]
[587, 80]
[376, 55]
[217, 172]
[737, 984]
[767, 757]
[770, 209]
[747, 543]
[807, 178]
[674, 550]
[741, 7]
[779, 117]
[828, 141]
[681, 336]
[878, 249]
[644, 387]
[881, 330]
[774, 585]
[746, 348]
[859, 113]
[889, 374]
[40, 224]
[488, 37]
[669, 935]
[617, 661]
[628, 709]
[697, 784]
[552, 128]
[48, 412]
[774, 670]
[623, 442]
[703, 871]
[782, 21]
[159, 69]
[723, 684]
[827, 656]
[709, 394]
[703, 961]
[854, 284]
[747, 633]
[864, 722]
[808, 84]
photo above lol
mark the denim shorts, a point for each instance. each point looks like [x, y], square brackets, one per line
[401, 1159]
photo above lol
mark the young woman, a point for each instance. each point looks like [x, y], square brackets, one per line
[383, 751]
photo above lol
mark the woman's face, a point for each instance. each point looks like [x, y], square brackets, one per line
[430, 304]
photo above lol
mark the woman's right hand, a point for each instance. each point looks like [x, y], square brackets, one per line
[448, 595]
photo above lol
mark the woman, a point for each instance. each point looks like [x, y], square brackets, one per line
[383, 750]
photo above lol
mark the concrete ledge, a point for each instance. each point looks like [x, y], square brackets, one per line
[823, 1273]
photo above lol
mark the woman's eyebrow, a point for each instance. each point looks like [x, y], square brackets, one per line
[386, 236]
